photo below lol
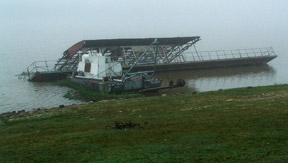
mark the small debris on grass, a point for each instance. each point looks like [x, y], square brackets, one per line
[125, 125]
[194, 92]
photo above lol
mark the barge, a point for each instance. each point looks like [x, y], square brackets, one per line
[172, 54]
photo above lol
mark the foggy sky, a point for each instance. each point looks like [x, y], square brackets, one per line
[48, 27]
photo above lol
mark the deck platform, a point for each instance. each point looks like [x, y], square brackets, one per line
[49, 76]
[206, 64]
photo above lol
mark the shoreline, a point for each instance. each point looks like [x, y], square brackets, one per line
[242, 125]
[24, 112]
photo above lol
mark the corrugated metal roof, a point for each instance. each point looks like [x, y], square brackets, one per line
[169, 41]
[138, 41]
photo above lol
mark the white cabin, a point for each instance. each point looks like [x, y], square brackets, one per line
[94, 65]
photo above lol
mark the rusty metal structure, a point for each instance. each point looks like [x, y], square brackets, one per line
[128, 51]
[174, 53]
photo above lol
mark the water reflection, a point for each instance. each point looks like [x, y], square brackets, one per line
[220, 78]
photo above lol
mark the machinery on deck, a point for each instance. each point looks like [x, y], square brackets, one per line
[105, 73]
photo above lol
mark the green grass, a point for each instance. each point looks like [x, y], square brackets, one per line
[87, 94]
[237, 125]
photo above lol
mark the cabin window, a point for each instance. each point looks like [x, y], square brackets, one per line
[87, 67]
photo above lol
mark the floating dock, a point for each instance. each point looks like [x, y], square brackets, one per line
[206, 64]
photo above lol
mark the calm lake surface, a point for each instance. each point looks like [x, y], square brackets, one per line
[16, 93]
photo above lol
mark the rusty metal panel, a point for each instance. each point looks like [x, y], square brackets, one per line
[75, 48]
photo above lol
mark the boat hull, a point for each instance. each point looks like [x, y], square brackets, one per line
[134, 85]
[48, 76]
[193, 65]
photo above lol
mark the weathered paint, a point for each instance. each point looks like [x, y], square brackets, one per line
[75, 48]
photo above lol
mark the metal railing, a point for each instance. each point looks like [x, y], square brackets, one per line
[39, 66]
[228, 54]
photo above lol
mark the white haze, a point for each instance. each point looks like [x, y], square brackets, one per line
[32, 30]
[45, 28]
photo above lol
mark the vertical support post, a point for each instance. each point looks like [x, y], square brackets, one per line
[232, 54]
[247, 53]
[225, 54]
[209, 55]
[183, 58]
[217, 55]
[197, 52]
[261, 52]
[28, 72]
[46, 66]
[240, 53]
[254, 53]
[193, 56]
[160, 54]
[125, 59]
[165, 54]
[35, 65]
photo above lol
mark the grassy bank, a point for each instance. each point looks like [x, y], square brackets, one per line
[247, 124]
